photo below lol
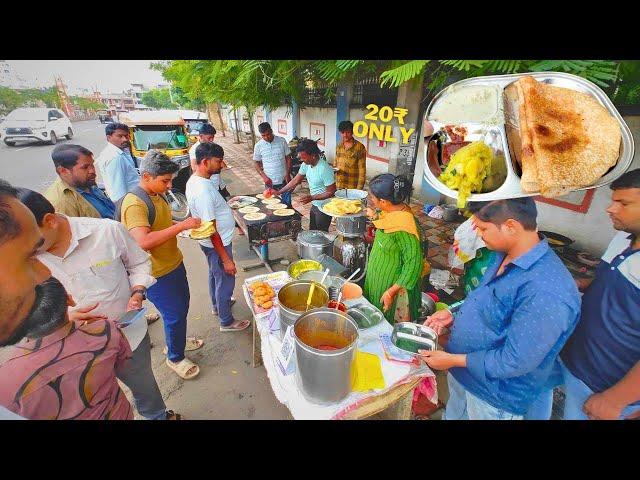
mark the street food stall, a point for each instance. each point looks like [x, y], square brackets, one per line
[328, 352]
[329, 363]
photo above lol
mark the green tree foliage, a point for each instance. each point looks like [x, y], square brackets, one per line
[273, 83]
[159, 98]
[87, 104]
[9, 100]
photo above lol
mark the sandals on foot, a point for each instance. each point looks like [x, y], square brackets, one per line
[182, 368]
[193, 343]
[236, 326]
[152, 318]
[171, 415]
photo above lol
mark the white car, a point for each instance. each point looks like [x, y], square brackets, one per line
[42, 124]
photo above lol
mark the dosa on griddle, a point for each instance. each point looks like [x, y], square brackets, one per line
[569, 140]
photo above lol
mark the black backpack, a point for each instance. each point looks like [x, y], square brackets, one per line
[139, 192]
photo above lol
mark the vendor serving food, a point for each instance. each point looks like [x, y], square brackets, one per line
[322, 184]
[396, 262]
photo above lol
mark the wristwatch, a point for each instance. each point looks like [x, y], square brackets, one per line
[141, 291]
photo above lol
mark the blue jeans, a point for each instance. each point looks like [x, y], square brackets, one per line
[542, 407]
[137, 374]
[576, 393]
[286, 197]
[220, 284]
[170, 295]
[462, 405]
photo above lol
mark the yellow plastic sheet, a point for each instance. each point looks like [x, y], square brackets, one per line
[366, 373]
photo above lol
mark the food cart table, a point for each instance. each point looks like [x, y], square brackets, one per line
[393, 402]
[260, 233]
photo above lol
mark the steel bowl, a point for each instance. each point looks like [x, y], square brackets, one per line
[299, 266]
[316, 276]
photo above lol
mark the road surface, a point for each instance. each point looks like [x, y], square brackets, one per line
[29, 164]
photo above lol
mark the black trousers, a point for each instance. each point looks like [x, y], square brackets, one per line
[318, 220]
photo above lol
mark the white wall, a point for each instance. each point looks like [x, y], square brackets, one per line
[591, 231]
[374, 166]
[259, 116]
[281, 113]
[325, 116]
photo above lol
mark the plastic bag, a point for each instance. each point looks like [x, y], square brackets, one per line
[466, 242]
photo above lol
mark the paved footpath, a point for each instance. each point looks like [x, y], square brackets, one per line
[228, 387]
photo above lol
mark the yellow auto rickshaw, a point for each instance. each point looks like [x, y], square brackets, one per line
[164, 131]
[193, 121]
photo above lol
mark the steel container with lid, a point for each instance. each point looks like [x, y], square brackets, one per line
[312, 243]
[326, 341]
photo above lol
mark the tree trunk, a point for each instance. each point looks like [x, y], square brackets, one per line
[235, 115]
[253, 132]
[219, 108]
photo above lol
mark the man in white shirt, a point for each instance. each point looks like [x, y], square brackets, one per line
[206, 203]
[115, 163]
[208, 135]
[107, 274]
[273, 160]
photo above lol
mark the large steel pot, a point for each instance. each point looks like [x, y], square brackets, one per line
[353, 226]
[352, 253]
[326, 341]
[292, 301]
[312, 243]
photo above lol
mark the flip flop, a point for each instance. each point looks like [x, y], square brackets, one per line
[239, 326]
[152, 318]
[182, 367]
[193, 343]
[171, 415]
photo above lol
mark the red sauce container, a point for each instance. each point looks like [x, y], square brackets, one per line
[341, 306]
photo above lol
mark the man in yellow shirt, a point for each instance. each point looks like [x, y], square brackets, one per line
[351, 159]
[155, 232]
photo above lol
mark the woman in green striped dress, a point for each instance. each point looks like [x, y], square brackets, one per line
[395, 267]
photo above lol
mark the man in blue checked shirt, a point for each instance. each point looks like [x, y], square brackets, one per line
[117, 166]
[506, 337]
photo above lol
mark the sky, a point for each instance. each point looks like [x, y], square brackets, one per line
[109, 75]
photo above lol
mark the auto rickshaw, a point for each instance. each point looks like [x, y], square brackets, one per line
[104, 116]
[193, 120]
[166, 132]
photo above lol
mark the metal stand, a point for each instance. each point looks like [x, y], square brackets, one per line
[264, 259]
